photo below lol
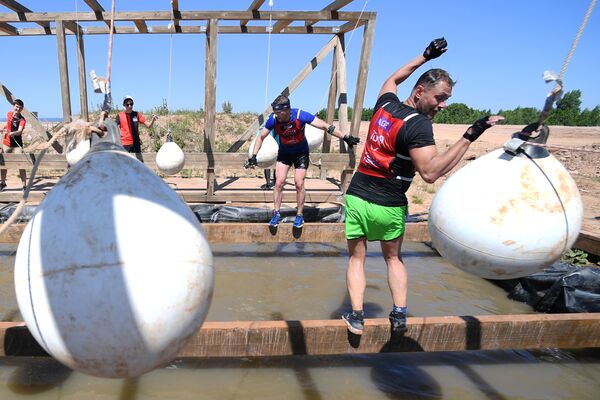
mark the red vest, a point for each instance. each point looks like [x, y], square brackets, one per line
[380, 148]
[290, 133]
[9, 120]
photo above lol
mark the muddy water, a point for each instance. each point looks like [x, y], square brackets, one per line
[305, 281]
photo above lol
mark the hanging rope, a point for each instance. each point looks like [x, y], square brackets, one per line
[576, 40]
[108, 103]
[269, 29]
[171, 28]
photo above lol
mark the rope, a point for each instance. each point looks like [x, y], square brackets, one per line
[576, 40]
[110, 46]
[170, 74]
[270, 29]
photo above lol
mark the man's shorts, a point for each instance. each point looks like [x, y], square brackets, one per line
[375, 222]
[299, 161]
[8, 149]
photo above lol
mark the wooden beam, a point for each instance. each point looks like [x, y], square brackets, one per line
[343, 111]
[361, 78]
[210, 96]
[244, 233]
[98, 10]
[333, 88]
[46, 17]
[20, 9]
[256, 4]
[8, 29]
[330, 337]
[588, 242]
[336, 5]
[82, 77]
[280, 25]
[188, 29]
[141, 26]
[176, 15]
[287, 91]
[31, 119]
[63, 67]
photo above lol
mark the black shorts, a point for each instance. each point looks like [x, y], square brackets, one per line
[299, 161]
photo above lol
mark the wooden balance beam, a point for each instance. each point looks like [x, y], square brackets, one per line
[329, 337]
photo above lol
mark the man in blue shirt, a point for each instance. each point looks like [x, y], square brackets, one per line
[288, 125]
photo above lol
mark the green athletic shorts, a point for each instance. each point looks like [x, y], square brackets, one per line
[375, 222]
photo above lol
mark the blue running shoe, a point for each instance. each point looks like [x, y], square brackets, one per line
[355, 322]
[398, 321]
[275, 220]
[299, 221]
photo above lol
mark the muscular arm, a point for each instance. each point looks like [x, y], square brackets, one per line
[264, 132]
[319, 123]
[431, 165]
[400, 75]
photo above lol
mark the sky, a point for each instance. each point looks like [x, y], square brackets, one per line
[497, 51]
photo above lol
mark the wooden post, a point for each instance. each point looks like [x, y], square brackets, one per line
[363, 71]
[82, 78]
[332, 95]
[346, 174]
[64, 70]
[210, 86]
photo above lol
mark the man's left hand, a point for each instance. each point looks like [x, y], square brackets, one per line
[351, 140]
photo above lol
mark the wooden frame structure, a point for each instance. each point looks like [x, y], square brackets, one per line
[330, 20]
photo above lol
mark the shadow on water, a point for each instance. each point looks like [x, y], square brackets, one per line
[34, 378]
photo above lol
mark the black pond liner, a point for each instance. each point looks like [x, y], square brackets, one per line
[561, 288]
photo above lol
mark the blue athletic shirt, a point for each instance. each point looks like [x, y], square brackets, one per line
[303, 118]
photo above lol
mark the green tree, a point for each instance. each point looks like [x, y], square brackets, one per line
[567, 109]
[227, 107]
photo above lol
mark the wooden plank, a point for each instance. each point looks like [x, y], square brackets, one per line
[254, 6]
[141, 26]
[287, 91]
[588, 243]
[20, 9]
[176, 15]
[98, 10]
[280, 25]
[333, 87]
[330, 337]
[8, 29]
[31, 119]
[63, 68]
[192, 161]
[336, 5]
[82, 77]
[234, 232]
[361, 78]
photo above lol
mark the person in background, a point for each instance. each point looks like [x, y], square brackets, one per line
[13, 139]
[399, 141]
[128, 121]
[288, 124]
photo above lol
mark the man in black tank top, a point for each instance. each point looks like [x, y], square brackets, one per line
[399, 143]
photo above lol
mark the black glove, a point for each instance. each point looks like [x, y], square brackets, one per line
[436, 48]
[351, 140]
[477, 129]
[251, 162]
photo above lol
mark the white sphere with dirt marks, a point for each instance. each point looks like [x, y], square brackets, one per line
[113, 273]
[503, 216]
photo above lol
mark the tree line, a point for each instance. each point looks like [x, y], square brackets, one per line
[566, 112]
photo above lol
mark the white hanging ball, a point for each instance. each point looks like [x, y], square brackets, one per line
[78, 152]
[314, 136]
[113, 273]
[267, 155]
[499, 217]
[170, 159]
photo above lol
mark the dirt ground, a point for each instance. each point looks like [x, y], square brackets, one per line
[577, 148]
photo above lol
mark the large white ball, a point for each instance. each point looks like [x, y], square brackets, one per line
[170, 159]
[113, 273]
[314, 136]
[77, 152]
[267, 155]
[500, 217]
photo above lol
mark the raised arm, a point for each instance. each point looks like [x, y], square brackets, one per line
[435, 49]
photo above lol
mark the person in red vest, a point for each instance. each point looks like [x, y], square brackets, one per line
[13, 139]
[129, 122]
[399, 142]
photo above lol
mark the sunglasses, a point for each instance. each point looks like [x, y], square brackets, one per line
[128, 104]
